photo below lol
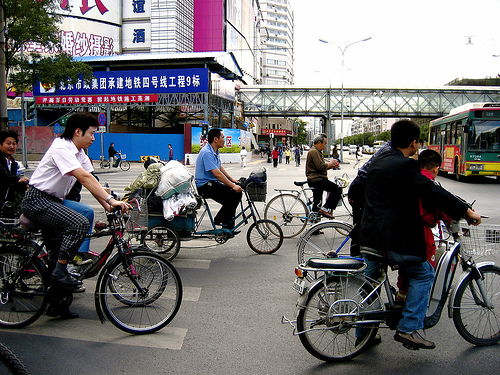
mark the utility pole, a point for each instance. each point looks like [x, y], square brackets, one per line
[4, 119]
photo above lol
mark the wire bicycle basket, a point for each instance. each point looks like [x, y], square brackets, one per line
[481, 240]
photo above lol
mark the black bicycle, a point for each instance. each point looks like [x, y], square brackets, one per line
[138, 291]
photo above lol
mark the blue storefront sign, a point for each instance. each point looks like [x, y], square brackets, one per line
[133, 82]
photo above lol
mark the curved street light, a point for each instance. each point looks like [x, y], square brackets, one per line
[342, 51]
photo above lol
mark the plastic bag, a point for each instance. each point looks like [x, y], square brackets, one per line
[175, 178]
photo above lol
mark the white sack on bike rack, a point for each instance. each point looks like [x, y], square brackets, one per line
[177, 203]
[148, 179]
[175, 178]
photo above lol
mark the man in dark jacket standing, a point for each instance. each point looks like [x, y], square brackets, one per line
[391, 224]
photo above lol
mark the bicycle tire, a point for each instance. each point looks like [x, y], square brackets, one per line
[474, 322]
[23, 292]
[124, 165]
[289, 212]
[264, 236]
[105, 164]
[162, 240]
[324, 334]
[12, 362]
[322, 238]
[131, 312]
[343, 212]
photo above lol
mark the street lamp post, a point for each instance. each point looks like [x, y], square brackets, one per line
[342, 51]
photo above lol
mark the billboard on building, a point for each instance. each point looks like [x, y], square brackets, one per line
[89, 28]
[234, 140]
[133, 82]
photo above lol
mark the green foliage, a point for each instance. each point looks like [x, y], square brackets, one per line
[301, 138]
[424, 133]
[366, 138]
[36, 21]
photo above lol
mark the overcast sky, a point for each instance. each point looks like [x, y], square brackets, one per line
[414, 43]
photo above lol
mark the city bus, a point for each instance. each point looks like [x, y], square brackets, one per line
[469, 140]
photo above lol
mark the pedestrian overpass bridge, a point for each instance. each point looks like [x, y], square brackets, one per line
[291, 101]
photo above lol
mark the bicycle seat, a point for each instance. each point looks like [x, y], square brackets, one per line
[28, 224]
[301, 183]
[337, 263]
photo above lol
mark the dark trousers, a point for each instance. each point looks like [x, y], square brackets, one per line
[227, 197]
[356, 197]
[333, 197]
[275, 163]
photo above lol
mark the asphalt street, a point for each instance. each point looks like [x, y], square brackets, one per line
[230, 318]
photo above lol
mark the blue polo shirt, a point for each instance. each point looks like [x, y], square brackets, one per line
[208, 159]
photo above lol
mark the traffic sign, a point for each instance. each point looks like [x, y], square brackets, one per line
[57, 128]
[101, 119]
[101, 129]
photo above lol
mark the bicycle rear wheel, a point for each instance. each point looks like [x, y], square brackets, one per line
[140, 311]
[289, 212]
[23, 290]
[323, 238]
[162, 240]
[105, 163]
[327, 325]
[475, 322]
[124, 165]
[264, 236]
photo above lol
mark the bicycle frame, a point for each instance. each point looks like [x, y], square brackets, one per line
[214, 231]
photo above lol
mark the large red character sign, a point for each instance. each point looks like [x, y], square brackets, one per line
[85, 6]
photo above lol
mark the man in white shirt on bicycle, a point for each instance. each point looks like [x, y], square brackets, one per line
[63, 164]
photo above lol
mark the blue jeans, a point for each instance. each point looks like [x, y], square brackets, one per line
[420, 279]
[86, 211]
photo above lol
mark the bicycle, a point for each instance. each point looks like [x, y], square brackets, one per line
[342, 310]
[137, 291]
[263, 236]
[10, 362]
[120, 162]
[292, 209]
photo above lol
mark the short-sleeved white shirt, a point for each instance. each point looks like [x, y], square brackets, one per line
[51, 176]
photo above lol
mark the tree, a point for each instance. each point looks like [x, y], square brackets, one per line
[424, 133]
[33, 21]
[301, 138]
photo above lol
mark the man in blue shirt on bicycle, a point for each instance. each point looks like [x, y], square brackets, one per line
[214, 182]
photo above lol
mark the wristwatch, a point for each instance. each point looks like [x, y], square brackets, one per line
[109, 198]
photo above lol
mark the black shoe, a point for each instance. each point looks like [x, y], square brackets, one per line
[413, 341]
[64, 314]
[66, 280]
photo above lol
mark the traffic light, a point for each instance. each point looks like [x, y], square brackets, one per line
[204, 130]
[30, 110]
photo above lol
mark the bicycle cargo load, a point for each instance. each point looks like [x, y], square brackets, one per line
[256, 185]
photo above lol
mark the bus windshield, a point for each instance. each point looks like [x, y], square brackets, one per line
[485, 135]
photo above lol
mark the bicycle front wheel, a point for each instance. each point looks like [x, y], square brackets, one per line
[264, 236]
[148, 308]
[23, 290]
[11, 362]
[105, 164]
[289, 212]
[124, 165]
[327, 325]
[328, 237]
[162, 240]
[474, 321]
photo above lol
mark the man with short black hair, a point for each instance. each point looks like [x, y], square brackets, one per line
[214, 182]
[64, 163]
[391, 225]
[10, 182]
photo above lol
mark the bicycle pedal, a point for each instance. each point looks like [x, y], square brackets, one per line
[410, 347]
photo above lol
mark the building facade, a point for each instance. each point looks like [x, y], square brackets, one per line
[277, 47]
